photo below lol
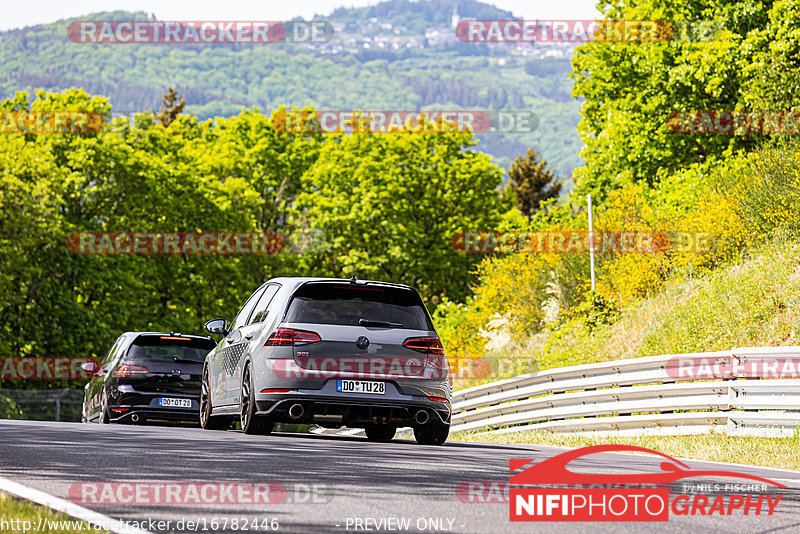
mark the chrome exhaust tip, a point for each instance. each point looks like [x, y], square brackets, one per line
[296, 411]
[421, 417]
[135, 418]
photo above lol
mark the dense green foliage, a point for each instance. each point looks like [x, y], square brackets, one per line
[532, 181]
[631, 88]
[9, 409]
[383, 205]
[388, 206]
[711, 201]
[766, 187]
[218, 80]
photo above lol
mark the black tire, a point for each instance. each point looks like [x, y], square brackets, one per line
[251, 423]
[208, 421]
[380, 433]
[103, 418]
[432, 433]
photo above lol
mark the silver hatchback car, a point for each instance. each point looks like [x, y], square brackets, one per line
[332, 352]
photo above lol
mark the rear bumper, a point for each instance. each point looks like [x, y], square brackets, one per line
[138, 414]
[328, 407]
[146, 406]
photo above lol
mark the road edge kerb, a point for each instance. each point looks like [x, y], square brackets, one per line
[71, 509]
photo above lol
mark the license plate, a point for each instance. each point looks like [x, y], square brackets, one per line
[361, 386]
[175, 403]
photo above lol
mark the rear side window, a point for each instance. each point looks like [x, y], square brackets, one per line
[169, 349]
[346, 305]
[262, 308]
[113, 350]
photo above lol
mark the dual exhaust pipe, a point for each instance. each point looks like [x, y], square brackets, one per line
[296, 411]
[421, 417]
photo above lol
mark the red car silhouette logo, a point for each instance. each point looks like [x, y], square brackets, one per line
[554, 470]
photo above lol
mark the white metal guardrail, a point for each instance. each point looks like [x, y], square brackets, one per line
[637, 396]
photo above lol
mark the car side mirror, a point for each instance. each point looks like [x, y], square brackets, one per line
[90, 367]
[217, 326]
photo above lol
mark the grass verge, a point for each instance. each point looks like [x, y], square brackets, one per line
[20, 516]
[768, 452]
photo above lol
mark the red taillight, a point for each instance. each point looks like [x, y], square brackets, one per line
[127, 369]
[429, 345]
[437, 399]
[176, 338]
[275, 390]
[290, 336]
[120, 409]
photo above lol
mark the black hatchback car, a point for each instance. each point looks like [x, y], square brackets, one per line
[147, 376]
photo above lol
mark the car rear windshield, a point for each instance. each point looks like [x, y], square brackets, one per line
[169, 349]
[347, 305]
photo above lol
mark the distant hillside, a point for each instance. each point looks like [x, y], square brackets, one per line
[395, 55]
[420, 14]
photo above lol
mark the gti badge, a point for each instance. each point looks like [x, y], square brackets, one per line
[362, 342]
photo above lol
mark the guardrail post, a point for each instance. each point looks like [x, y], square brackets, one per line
[729, 424]
[58, 403]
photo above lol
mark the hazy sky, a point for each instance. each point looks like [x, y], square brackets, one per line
[18, 14]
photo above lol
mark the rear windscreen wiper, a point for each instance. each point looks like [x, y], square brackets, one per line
[181, 360]
[367, 322]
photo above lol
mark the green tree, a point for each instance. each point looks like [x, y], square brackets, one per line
[171, 107]
[9, 409]
[385, 206]
[388, 205]
[143, 178]
[630, 88]
[774, 70]
[532, 181]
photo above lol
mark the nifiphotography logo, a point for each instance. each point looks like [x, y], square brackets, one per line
[629, 497]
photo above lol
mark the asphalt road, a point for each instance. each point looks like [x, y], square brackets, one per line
[355, 480]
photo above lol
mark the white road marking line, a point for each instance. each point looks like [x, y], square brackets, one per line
[69, 508]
